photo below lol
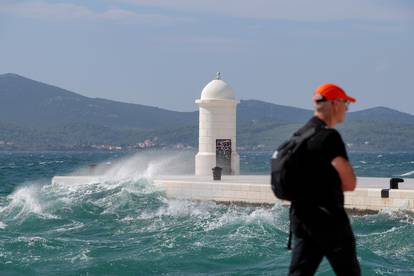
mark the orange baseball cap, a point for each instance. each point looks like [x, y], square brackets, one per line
[332, 92]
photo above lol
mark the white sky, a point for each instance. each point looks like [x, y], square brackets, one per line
[163, 52]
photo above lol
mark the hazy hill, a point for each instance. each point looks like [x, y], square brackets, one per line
[251, 111]
[381, 114]
[34, 115]
[26, 102]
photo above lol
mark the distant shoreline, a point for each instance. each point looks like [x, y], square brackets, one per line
[2, 151]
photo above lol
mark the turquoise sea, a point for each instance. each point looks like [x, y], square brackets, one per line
[126, 226]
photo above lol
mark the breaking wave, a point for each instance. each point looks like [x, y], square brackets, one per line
[123, 224]
[124, 219]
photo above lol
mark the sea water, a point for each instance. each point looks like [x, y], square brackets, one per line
[124, 225]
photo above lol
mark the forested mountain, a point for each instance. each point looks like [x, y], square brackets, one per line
[34, 115]
[30, 103]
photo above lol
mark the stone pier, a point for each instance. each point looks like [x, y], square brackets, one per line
[255, 189]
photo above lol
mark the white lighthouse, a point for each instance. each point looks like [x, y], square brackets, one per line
[217, 129]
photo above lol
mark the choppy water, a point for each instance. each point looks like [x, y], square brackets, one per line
[126, 226]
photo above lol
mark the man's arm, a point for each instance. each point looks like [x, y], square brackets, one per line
[346, 173]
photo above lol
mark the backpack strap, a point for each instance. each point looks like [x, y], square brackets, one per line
[300, 136]
[289, 243]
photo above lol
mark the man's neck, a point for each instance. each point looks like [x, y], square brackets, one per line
[329, 120]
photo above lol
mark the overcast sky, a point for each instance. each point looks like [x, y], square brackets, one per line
[163, 52]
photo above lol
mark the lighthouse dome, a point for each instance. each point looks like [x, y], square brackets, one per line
[217, 89]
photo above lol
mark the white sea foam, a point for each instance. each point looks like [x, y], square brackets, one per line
[119, 181]
[148, 165]
[408, 173]
[179, 208]
[391, 230]
[82, 256]
[141, 165]
[242, 215]
[25, 200]
[2, 225]
[67, 227]
[128, 219]
[50, 162]
[32, 241]
[399, 214]
[39, 198]
[199, 244]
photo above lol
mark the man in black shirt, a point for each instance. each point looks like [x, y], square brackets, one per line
[319, 224]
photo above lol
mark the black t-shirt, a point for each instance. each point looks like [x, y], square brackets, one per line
[318, 153]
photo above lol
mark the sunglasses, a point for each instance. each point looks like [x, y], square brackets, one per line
[323, 99]
[345, 102]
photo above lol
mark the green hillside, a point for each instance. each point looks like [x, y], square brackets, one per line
[38, 116]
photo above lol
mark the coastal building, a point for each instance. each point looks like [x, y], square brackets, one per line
[217, 129]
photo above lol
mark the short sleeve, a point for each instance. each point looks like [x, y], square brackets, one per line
[333, 145]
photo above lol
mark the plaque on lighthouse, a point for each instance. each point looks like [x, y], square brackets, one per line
[223, 155]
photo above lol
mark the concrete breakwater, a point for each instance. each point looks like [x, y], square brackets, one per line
[372, 194]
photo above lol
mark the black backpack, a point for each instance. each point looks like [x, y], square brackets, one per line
[287, 179]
